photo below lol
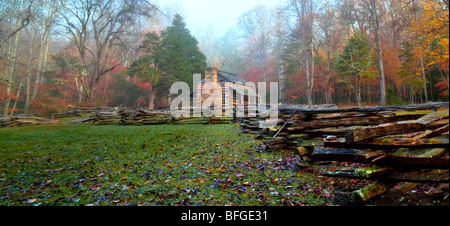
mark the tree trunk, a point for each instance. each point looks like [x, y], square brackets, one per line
[369, 93]
[28, 71]
[424, 79]
[79, 89]
[328, 96]
[47, 24]
[280, 80]
[311, 88]
[358, 90]
[308, 82]
[379, 55]
[17, 97]
[41, 64]
[151, 100]
[11, 70]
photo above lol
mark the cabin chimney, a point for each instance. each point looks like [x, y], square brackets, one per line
[211, 75]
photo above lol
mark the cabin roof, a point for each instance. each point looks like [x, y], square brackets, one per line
[223, 76]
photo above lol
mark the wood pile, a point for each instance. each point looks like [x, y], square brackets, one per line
[144, 116]
[203, 119]
[5, 121]
[25, 120]
[109, 117]
[71, 113]
[383, 144]
[79, 111]
[133, 116]
[126, 116]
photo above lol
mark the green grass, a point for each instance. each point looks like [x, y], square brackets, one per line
[164, 165]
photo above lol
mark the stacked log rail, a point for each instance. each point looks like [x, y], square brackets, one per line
[25, 120]
[386, 144]
[135, 116]
[122, 116]
[307, 127]
[79, 111]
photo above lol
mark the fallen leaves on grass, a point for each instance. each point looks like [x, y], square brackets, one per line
[154, 165]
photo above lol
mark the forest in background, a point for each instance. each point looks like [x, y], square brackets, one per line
[57, 54]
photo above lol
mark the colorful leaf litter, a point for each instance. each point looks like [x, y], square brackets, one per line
[164, 165]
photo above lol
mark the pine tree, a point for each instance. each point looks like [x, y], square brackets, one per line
[179, 57]
[145, 66]
[171, 57]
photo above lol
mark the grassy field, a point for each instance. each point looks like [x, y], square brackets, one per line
[164, 165]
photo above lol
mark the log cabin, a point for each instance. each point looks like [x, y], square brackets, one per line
[232, 88]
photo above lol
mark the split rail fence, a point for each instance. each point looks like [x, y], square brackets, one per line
[386, 145]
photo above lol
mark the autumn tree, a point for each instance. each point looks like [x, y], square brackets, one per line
[145, 66]
[354, 63]
[374, 16]
[47, 9]
[15, 16]
[230, 53]
[431, 28]
[304, 13]
[279, 43]
[96, 29]
[331, 36]
[257, 26]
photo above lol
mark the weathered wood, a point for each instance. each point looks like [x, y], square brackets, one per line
[310, 142]
[362, 121]
[437, 124]
[345, 155]
[339, 131]
[276, 140]
[71, 113]
[435, 116]
[373, 172]
[25, 120]
[433, 133]
[358, 197]
[418, 158]
[364, 145]
[429, 159]
[422, 134]
[298, 116]
[276, 134]
[297, 136]
[336, 115]
[382, 130]
[304, 150]
[410, 142]
[412, 107]
[82, 120]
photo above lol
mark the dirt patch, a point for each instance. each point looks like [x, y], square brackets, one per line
[419, 195]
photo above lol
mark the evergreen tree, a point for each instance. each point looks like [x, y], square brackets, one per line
[145, 66]
[179, 57]
[172, 57]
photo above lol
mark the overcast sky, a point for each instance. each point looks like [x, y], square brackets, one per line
[218, 15]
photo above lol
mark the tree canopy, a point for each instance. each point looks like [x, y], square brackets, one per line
[178, 56]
